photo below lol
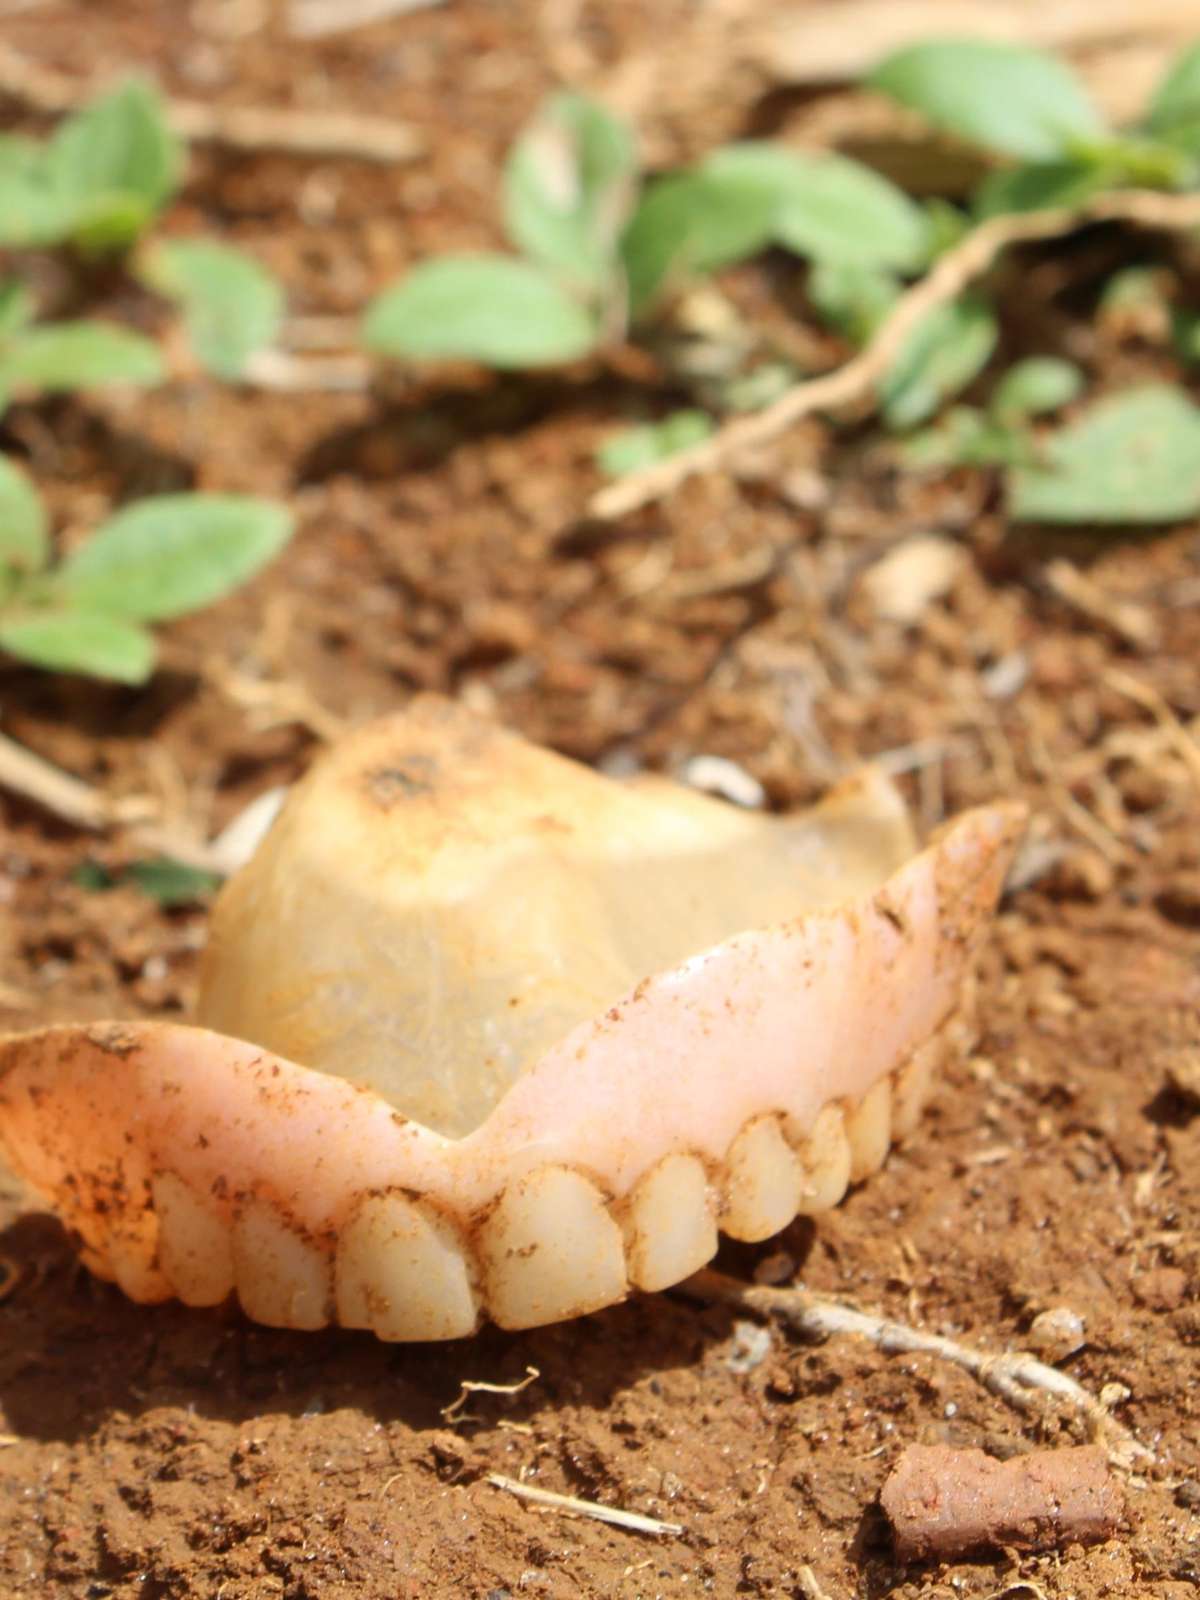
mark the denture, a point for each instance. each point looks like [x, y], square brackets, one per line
[484, 1033]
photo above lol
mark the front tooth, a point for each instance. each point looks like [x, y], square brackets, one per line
[283, 1278]
[824, 1154]
[765, 1182]
[669, 1227]
[401, 1272]
[913, 1084]
[195, 1244]
[550, 1250]
[869, 1130]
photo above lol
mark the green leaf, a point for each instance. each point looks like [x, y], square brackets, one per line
[494, 309]
[964, 437]
[118, 146]
[652, 441]
[23, 542]
[853, 301]
[78, 355]
[1033, 386]
[943, 353]
[171, 883]
[32, 210]
[694, 223]
[231, 306]
[80, 641]
[173, 553]
[1006, 97]
[16, 308]
[1134, 457]
[1176, 101]
[827, 206]
[568, 189]
[1040, 186]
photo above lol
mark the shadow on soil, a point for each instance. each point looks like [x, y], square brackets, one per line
[74, 1351]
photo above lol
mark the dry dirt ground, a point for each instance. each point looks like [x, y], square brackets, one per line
[173, 1453]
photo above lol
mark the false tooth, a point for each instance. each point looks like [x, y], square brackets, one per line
[764, 1184]
[283, 1278]
[550, 1250]
[401, 1271]
[195, 1244]
[869, 1130]
[670, 1231]
[824, 1155]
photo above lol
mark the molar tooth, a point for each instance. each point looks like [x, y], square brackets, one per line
[869, 1130]
[401, 1271]
[133, 1257]
[765, 1182]
[195, 1243]
[550, 1250]
[669, 1227]
[914, 1081]
[825, 1156]
[283, 1278]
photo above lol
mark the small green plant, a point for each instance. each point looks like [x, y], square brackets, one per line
[64, 356]
[158, 558]
[96, 188]
[602, 251]
[999, 436]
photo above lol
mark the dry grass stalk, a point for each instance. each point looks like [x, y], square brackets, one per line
[631, 1520]
[293, 132]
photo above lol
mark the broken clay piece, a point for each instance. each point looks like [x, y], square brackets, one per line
[944, 1503]
[556, 1032]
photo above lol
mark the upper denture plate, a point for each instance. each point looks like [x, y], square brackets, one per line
[764, 1184]
[869, 1130]
[550, 1250]
[195, 1244]
[670, 1230]
[401, 1272]
[283, 1278]
[825, 1156]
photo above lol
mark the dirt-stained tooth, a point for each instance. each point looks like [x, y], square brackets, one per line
[283, 1278]
[670, 1231]
[914, 1084]
[195, 1244]
[550, 1250]
[401, 1272]
[824, 1154]
[869, 1130]
[764, 1185]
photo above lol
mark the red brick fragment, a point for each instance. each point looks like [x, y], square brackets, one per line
[944, 1502]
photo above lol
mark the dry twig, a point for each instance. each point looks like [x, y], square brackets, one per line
[1134, 689]
[317, 19]
[1014, 1375]
[468, 1386]
[632, 1520]
[855, 380]
[294, 132]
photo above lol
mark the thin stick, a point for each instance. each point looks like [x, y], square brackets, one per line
[1134, 689]
[67, 797]
[469, 1386]
[1013, 1376]
[632, 1520]
[303, 133]
[968, 260]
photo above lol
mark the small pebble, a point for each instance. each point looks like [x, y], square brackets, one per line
[1057, 1333]
[749, 1346]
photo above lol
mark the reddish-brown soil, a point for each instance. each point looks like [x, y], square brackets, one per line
[147, 1454]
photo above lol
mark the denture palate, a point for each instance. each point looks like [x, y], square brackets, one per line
[484, 1033]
